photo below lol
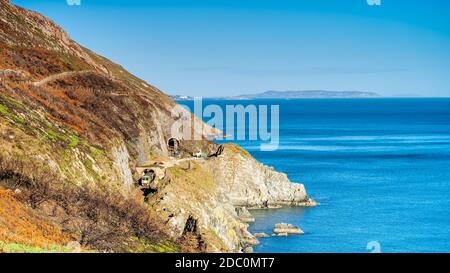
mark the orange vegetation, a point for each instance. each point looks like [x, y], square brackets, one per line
[20, 224]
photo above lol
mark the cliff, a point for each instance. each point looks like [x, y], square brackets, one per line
[68, 112]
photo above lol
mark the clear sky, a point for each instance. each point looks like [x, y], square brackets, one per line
[228, 47]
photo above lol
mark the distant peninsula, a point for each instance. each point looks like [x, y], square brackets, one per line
[305, 94]
[308, 94]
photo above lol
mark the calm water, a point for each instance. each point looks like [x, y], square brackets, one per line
[379, 167]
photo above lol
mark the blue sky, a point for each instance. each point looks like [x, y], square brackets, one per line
[227, 47]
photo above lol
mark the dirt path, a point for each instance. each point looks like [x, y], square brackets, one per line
[61, 76]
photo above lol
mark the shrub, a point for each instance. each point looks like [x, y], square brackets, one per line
[102, 219]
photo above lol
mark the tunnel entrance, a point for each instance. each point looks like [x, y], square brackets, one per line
[173, 145]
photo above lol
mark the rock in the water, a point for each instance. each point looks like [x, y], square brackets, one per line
[261, 235]
[287, 229]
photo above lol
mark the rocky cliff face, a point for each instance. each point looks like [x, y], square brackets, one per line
[247, 183]
[93, 123]
[217, 193]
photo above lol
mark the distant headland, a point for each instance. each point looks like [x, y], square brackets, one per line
[305, 94]
[313, 94]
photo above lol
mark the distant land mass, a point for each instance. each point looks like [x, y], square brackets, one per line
[306, 94]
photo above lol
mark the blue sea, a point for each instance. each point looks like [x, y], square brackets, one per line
[380, 169]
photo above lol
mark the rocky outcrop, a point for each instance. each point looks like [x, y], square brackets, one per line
[245, 182]
[284, 229]
[244, 215]
[218, 191]
[261, 235]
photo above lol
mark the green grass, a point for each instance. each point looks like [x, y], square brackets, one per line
[52, 135]
[96, 151]
[151, 247]
[74, 141]
[9, 108]
[4, 110]
[11, 102]
[23, 248]
[70, 139]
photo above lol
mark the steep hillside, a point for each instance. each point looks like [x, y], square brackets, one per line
[68, 112]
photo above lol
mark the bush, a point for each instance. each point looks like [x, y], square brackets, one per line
[102, 219]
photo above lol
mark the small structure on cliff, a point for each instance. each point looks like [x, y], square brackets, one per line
[150, 176]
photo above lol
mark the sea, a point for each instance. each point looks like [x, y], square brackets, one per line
[380, 169]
